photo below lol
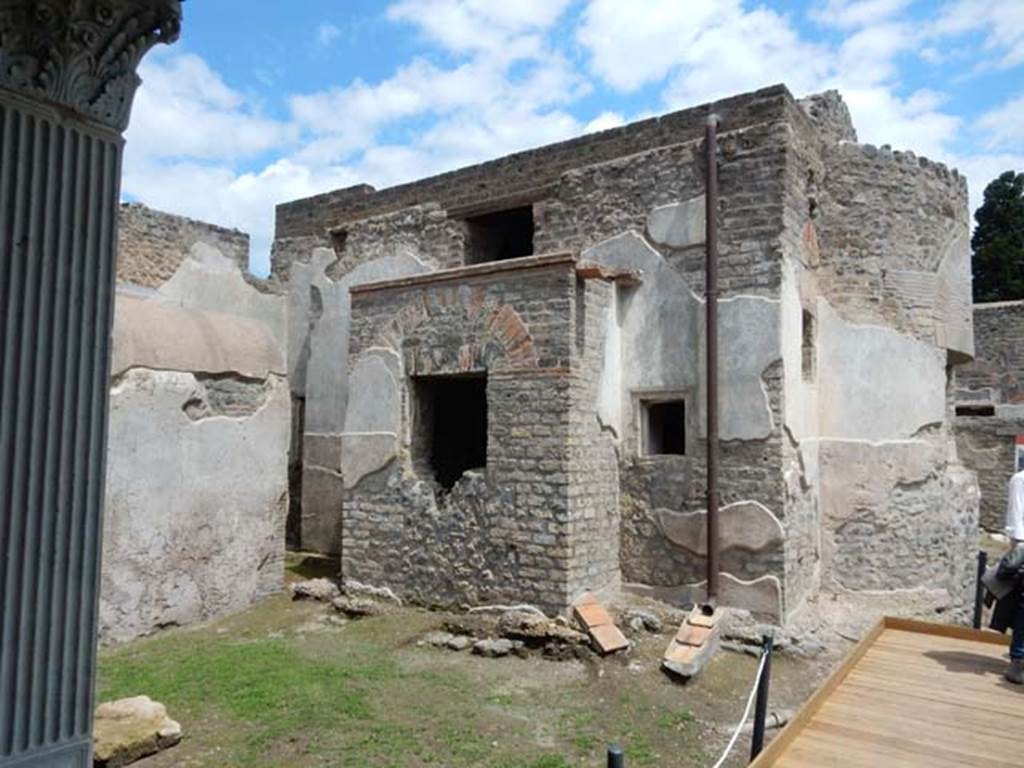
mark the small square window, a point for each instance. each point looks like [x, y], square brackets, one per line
[664, 427]
[500, 235]
[975, 410]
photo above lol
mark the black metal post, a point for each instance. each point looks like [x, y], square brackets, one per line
[761, 707]
[979, 588]
[616, 757]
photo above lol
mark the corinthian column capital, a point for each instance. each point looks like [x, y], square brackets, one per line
[82, 54]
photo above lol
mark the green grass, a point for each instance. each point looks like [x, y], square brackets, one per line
[277, 687]
[267, 697]
[267, 685]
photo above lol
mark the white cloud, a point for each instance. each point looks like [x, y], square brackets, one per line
[764, 49]
[327, 33]
[185, 109]
[913, 123]
[477, 25]
[473, 110]
[1003, 126]
[629, 49]
[856, 13]
[707, 48]
[1000, 21]
[604, 122]
[868, 56]
[201, 148]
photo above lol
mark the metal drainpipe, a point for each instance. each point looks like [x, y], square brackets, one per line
[711, 326]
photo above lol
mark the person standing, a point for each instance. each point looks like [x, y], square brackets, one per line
[1011, 568]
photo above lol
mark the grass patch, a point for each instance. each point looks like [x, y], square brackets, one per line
[278, 686]
[267, 685]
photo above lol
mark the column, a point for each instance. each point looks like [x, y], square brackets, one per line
[67, 78]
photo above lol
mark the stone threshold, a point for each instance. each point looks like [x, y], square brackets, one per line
[455, 274]
[585, 270]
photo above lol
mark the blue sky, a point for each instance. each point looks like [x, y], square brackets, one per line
[264, 102]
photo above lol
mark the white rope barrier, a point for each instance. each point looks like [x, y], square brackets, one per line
[746, 713]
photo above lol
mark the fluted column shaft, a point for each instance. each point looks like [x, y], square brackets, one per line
[67, 75]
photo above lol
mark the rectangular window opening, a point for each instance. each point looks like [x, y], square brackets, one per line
[500, 235]
[450, 425]
[807, 362]
[664, 427]
[975, 410]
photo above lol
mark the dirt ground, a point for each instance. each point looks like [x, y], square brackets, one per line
[294, 684]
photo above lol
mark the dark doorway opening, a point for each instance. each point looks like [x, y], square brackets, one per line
[293, 524]
[665, 428]
[450, 427]
[501, 235]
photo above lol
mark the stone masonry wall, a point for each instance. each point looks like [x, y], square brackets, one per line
[151, 245]
[196, 491]
[615, 212]
[844, 273]
[996, 375]
[994, 379]
[594, 515]
[524, 175]
[501, 534]
[895, 230]
[875, 272]
[596, 202]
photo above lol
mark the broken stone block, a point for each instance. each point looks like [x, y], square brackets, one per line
[446, 640]
[695, 644]
[458, 643]
[356, 607]
[127, 730]
[323, 590]
[643, 621]
[496, 647]
[598, 623]
[536, 629]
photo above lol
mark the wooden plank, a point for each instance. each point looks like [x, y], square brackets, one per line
[947, 728]
[911, 693]
[946, 630]
[839, 745]
[803, 717]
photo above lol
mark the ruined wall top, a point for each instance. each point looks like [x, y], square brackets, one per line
[525, 177]
[831, 115]
[153, 244]
[82, 54]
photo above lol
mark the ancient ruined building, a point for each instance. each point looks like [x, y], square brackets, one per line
[497, 373]
[990, 404]
[196, 493]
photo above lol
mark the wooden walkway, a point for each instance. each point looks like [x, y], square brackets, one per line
[910, 694]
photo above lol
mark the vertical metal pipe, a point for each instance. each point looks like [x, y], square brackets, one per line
[761, 707]
[711, 327]
[979, 588]
[616, 757]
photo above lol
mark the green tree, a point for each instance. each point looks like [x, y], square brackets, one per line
[998, 240]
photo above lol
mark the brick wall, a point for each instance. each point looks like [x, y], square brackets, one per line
[523, 173]
[501, 535]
